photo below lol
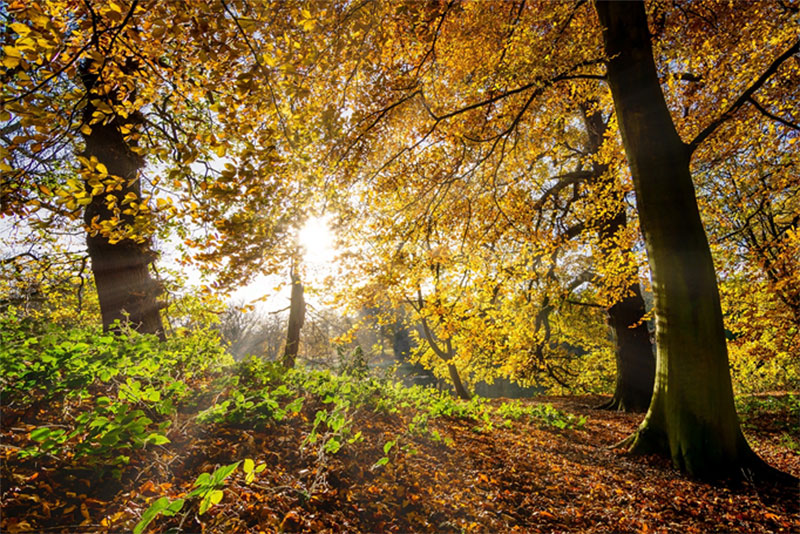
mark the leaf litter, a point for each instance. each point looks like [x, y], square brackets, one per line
[521, 476]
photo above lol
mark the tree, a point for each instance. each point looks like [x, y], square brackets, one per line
[493, 149]
[461, 97]
[691, 416]
[121, 257]
[633, 351]
[297, 314]
[110, 192]
[150, 96]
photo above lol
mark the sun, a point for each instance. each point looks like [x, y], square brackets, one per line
[316, 239]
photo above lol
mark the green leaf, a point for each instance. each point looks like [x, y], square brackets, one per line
[261, 467]
[295, 406]
[224, 472]
[151, 513]
[211, 498]
[174, 508]
[248, 465]
[157, 439]
[40, 434]
[202, 480]
[387, 447]
[332, 446]
[382, 461]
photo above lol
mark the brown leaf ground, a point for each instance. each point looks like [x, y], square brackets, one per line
[526, 478]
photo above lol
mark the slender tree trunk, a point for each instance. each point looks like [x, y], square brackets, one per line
[125, 289]
[297, 313]
[633, 348]
[461, 391]
[691, 416]
[446, 354]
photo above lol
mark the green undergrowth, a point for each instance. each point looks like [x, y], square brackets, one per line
[777, 414]
[93, 400]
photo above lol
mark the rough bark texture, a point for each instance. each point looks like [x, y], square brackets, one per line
[125, 288]
[691, 415]
[633, 348]
[297, 314]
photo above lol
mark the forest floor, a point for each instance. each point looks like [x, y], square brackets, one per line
[499, 477]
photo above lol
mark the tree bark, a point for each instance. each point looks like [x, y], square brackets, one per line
[633, 354]
[125, 289]
[633, 349]
[446, 354]
[461, 391]
[691, 415]
[297, 313]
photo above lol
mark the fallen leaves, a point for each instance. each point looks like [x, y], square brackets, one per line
[519, 479]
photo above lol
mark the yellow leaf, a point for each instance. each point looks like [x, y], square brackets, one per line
[269, 60]
[102, 169]
[86, 129]
[20, 28]
[12, 52]
[10, 62]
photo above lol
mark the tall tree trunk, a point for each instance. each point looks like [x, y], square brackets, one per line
[297, 313]
[125, 288]
[633, 349]
[691, 416]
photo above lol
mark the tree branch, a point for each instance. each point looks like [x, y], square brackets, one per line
[743, 98]
[772, 116]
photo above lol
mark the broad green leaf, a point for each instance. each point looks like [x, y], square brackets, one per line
[40, 434]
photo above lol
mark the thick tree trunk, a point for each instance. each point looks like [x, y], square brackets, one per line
[633, 348]
[691, 416]
[125, 289]
[297, 313]
[634, 355]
